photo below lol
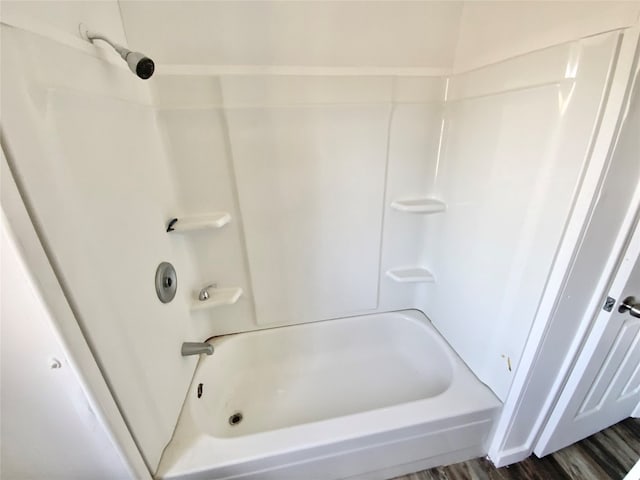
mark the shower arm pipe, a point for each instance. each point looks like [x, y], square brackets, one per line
[122, 51]
[138, 62]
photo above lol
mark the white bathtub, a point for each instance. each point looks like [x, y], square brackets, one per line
[369, 397]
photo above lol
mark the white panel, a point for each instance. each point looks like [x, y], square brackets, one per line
[98, 183]
[623, 349]
[632, 385]
[378, 34]
[633, 382]
[311, 186]
[496, 147]
[180, 91]
[544, 67]
[567, 305]
[495, 30]
[195, 127]
[198, 150]
[413, 149]
[511, 163]
[248, 91]
[49, 427]
[419, 89]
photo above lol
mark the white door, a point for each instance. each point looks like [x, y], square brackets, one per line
[604, 386]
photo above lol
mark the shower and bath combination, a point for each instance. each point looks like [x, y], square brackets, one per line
[342, 185]
[138, 62]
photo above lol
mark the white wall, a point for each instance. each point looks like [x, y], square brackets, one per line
[258, 145]
[517, 138]
[311, 186]
[413, 156]
[379, 34]
[64, 16]
[517, 130]
[583, 292]
[496, 30]
[392, 34]
[196, 140]
[84, 144]
[49, 426]
[307, 207]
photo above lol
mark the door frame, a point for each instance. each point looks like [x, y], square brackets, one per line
[522, 418]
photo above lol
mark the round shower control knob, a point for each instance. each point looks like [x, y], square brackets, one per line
[166, 282]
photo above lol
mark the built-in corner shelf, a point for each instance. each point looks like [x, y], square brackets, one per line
[217, 298]
[411, 275]
[419, 205]
[198, 222]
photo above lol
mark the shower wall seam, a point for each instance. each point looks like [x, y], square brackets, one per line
[236, 199]
[385, 191]
[172, 69]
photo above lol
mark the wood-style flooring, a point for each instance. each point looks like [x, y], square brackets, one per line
[609, 454]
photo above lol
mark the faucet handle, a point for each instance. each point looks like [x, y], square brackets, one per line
[204, 292]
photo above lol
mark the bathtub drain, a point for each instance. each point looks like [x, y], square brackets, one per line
[235, 419]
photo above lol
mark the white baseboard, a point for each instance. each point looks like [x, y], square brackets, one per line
[508, 457]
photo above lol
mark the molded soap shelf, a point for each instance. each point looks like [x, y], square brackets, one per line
[419, 205]
[217, 298]
[199, 222]
[411, 275]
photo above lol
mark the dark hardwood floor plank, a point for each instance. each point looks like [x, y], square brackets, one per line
[629, 429]
[423, 475]
[608, 461]
[613, 447]
[632, 425]
[578, 465]
[536, 469]
[482, 470]
[462, 471]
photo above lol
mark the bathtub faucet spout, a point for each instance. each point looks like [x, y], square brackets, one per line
[196, 348]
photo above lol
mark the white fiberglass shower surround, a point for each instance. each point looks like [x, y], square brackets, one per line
[386, 196]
